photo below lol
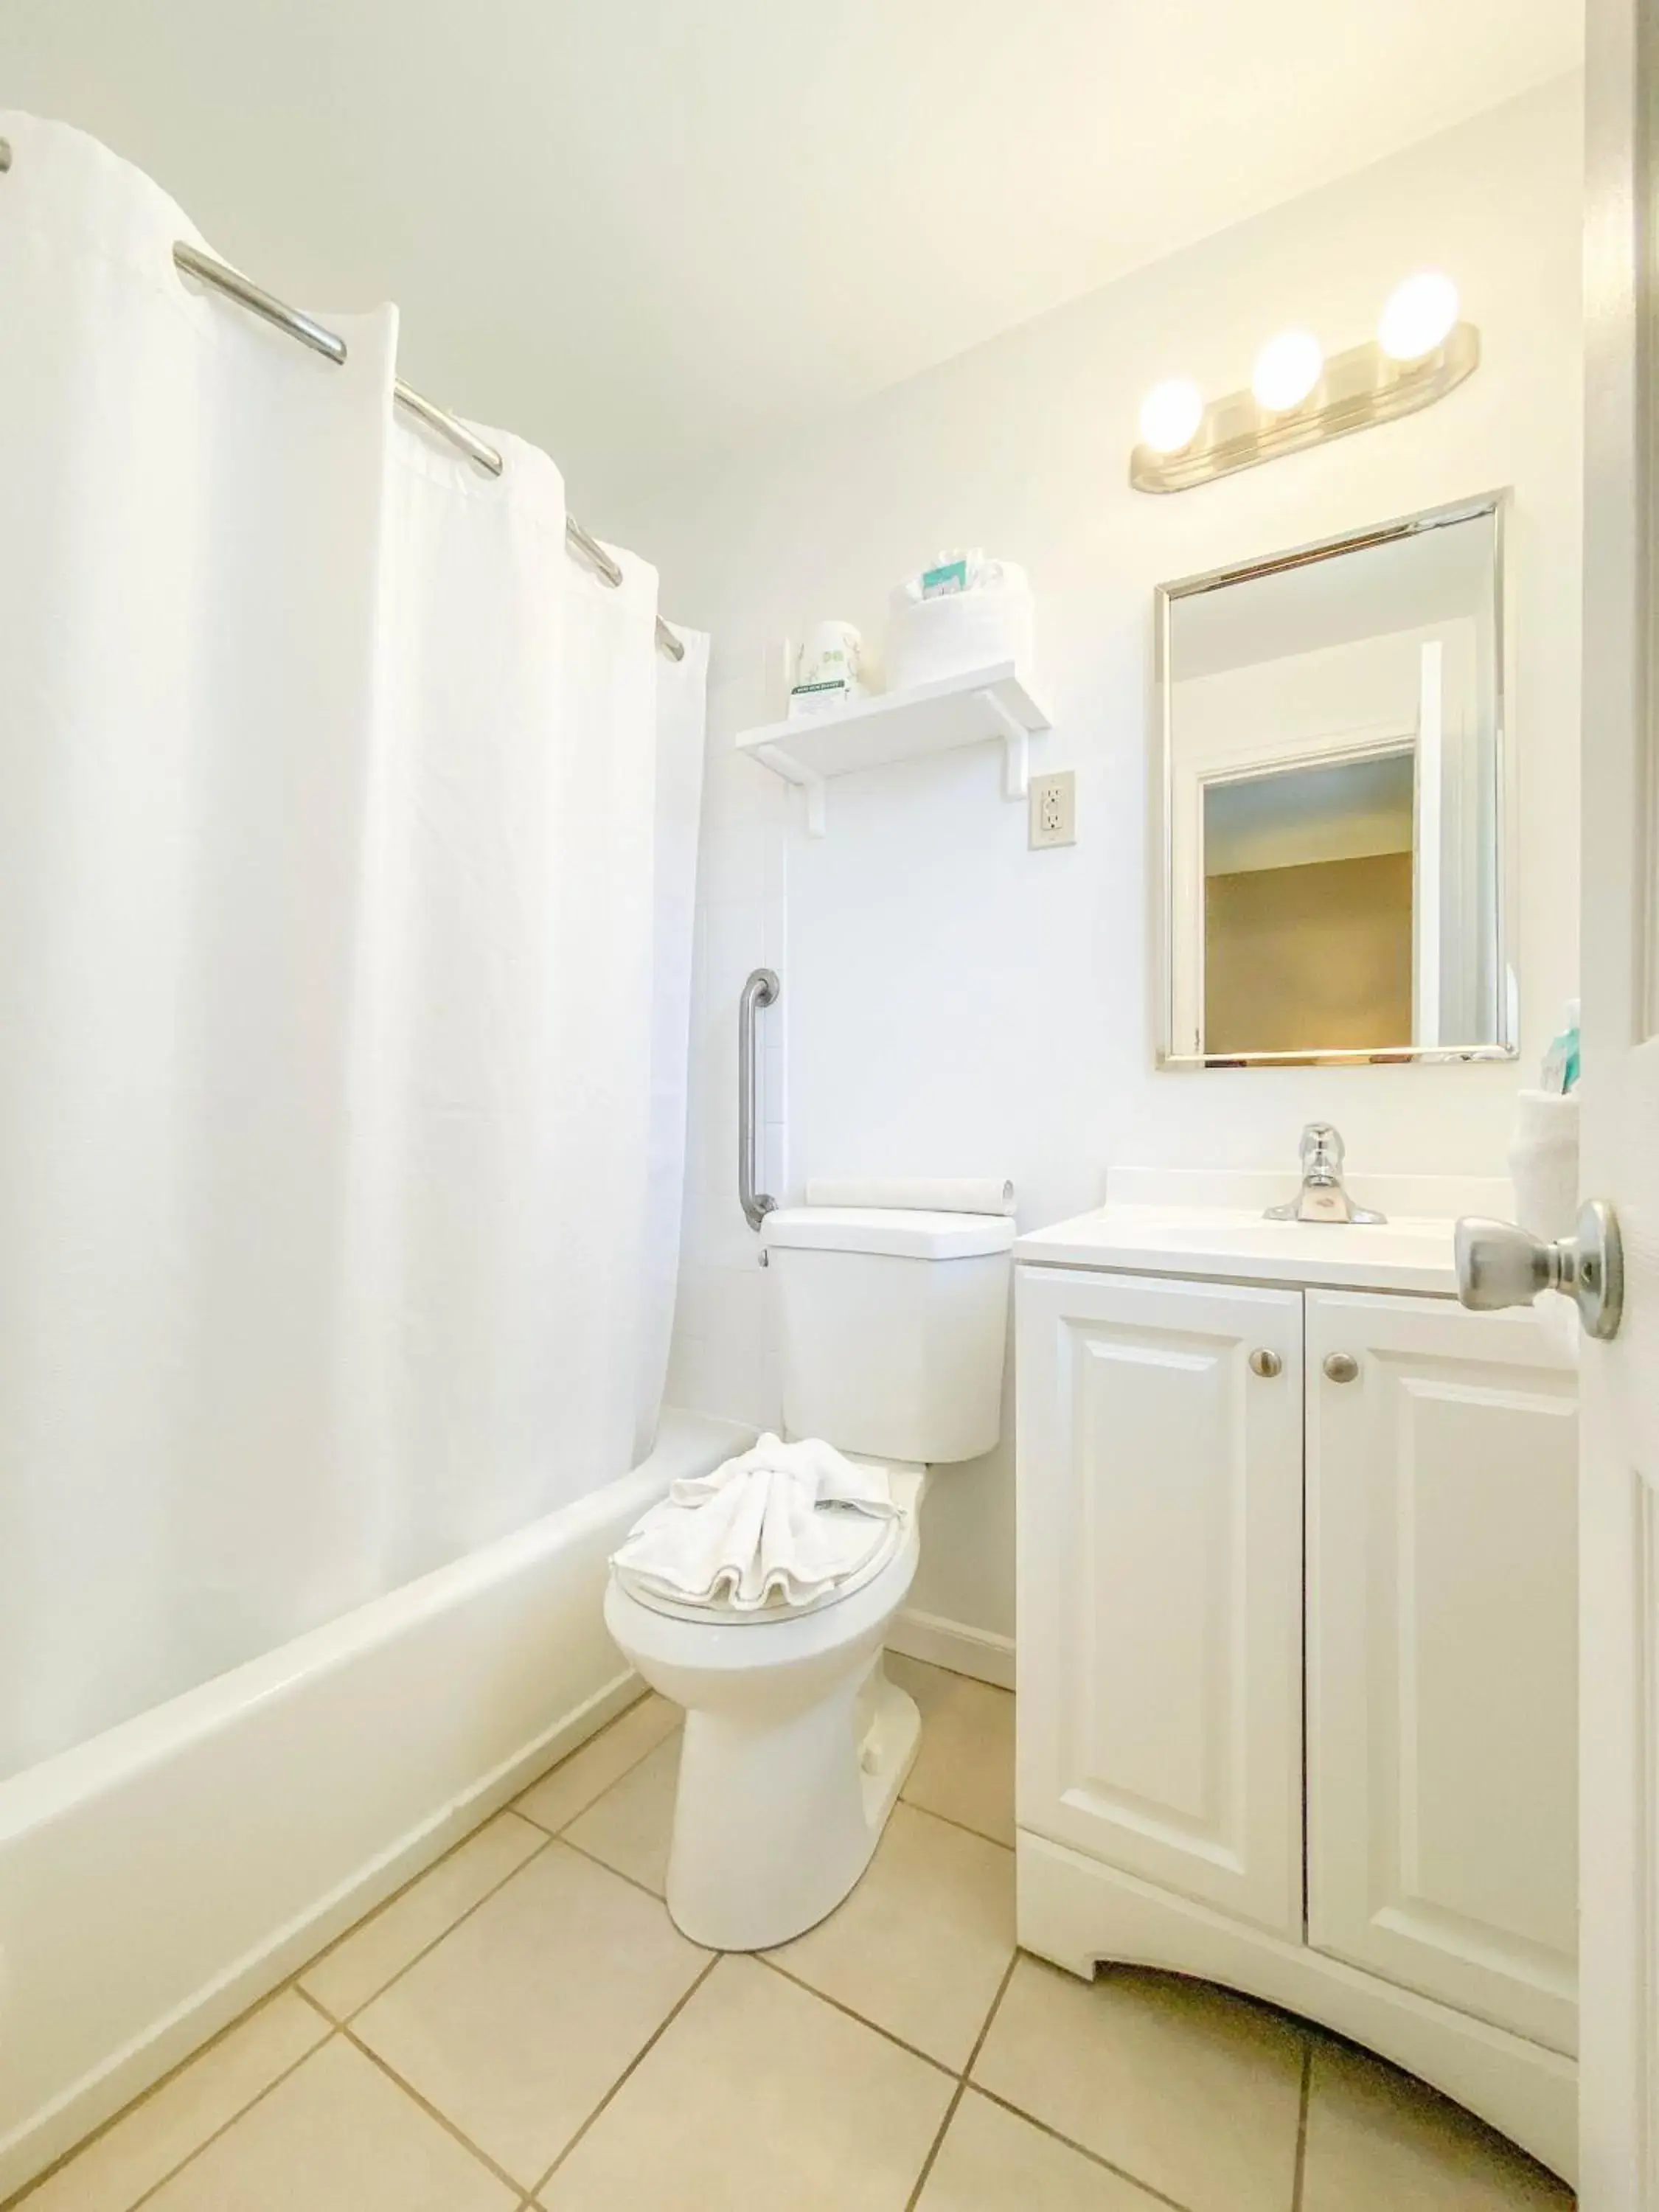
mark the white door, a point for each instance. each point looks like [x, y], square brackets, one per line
[1160, 1581]
[1619, 1533]
[1443, 1602]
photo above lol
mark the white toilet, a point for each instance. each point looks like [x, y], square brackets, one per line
[892, 1327]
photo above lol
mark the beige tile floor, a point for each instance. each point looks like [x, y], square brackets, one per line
[524, 2027]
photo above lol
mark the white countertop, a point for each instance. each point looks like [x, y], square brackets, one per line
[1409, 1253]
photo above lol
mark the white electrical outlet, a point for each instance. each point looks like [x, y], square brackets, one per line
[1054, 809]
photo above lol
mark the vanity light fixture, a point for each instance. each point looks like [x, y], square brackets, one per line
[1170, 414]
[1298, 399]
[1419, 316]
[1286, 370]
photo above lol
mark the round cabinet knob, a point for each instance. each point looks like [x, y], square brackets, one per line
[1267, 1364]
[1341, 1367]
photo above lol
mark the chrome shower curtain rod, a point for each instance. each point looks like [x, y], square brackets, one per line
[331, 346]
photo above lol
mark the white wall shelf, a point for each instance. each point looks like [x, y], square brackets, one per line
[978, 706]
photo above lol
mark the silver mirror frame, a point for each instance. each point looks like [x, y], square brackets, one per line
[1160, 786]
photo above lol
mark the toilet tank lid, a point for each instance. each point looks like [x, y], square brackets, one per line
[889, 1229]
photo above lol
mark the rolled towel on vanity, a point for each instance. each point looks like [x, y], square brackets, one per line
[779, 1525]
[1544, 1161]
[915, 1193]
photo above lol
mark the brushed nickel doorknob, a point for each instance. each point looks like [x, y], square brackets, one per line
[1266, 1363]
[1501, 1265]
[1341, 1367]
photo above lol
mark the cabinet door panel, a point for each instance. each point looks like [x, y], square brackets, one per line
[1160, 1563]
[1443, 1639]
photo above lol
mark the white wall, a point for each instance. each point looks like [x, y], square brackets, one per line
[957, 1004]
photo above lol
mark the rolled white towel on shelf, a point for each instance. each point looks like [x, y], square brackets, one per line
[780, 1525]
[915, 1193]
[987, 620]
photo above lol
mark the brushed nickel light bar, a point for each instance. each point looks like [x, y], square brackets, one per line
[1355, 390]
[1421, 351]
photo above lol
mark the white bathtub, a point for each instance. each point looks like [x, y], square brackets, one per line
[157, 1880]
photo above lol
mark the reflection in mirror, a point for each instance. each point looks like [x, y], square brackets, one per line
[1332, 790]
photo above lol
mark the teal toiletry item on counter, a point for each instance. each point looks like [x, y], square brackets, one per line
[1561, 1061]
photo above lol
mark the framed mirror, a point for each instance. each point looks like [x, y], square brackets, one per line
[1331, 780]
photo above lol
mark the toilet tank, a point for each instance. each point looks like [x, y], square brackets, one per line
[892, 1327]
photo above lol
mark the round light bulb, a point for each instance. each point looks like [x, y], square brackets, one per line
[1420, 315]
[1286, 370]
[1170, 414]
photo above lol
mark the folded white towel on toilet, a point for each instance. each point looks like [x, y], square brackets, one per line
[780, 1525]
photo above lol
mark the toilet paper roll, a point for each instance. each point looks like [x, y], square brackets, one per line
[921, 1194]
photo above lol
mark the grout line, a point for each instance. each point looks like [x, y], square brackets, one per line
[1302, 2125]
[548, 1836]
[937, 2145]
[627, 2072]
[419, 1876]
[338, 2025]
[950, 1822]
[961, 2090]
[516, 1805]
[632, 1879]
[431, 2109]
[996, 2007]
[1147, 2188]
[761, 1958]
[190, 2157]
[340, 2019]
[293, 1982]
[145, 2096]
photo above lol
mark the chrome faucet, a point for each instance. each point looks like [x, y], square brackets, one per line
[1323, 1196]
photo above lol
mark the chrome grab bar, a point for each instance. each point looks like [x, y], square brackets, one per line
[761, 990]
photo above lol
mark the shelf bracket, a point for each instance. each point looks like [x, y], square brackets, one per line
[777, 759]
[1016, 747]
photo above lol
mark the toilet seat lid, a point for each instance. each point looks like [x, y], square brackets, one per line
[908, 1484]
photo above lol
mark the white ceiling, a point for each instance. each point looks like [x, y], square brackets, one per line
[644, 231]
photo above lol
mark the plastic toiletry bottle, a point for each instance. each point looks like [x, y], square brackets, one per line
[1561, 1061]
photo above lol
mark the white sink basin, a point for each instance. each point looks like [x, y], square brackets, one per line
[1402, 1254]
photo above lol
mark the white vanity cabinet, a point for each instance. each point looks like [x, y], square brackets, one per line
[1442, 1638]
[1297, 1638]
[1160, 1637]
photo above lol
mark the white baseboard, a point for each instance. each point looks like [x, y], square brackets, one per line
[980, 1652]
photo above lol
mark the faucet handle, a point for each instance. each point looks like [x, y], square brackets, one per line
[1322, 1149]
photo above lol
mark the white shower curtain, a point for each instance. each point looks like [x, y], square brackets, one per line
[346, 855]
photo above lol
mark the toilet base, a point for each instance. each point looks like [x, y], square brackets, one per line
[777, 1819]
